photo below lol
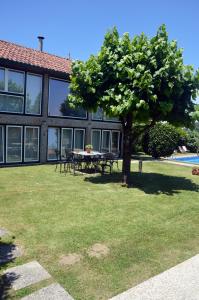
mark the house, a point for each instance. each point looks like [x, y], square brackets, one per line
[36, 124]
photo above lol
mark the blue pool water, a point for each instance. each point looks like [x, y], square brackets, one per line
[190, 159]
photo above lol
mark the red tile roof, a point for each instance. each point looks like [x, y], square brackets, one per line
[16, 53]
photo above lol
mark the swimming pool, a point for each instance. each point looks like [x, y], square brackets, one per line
[188, 159]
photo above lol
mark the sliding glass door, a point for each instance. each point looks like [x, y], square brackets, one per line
[53, 143]
[115, 142]
[79, 139]
[106, 140]
[31, 144]
[14, 144]
[96, 139]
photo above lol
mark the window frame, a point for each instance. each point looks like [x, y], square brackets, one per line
[22, 139]
[118, 141]
[24, 144]
[6, 81]
[100, 142]
[63, 117]
[72, 131]
[110, 141]
[25, 94]
[82, 129]
[13, 112]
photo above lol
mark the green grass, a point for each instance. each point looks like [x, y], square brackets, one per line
[149, 227]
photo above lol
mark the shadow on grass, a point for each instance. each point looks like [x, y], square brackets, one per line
[7, 255]
[150, 183]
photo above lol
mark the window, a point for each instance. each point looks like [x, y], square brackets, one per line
[53, 143]
[106, 141]
[11, 103]
[1, 144]
[15, 82]
[57, 106]
[2, 79]
[101, 116]
[12, 85]
[96, 139]
[66, 140]
[33, 94]
[31, 144]
[79, 139]
[98, 115]
[14, 144]
[115, 141]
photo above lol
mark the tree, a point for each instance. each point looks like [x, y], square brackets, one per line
[141, 81]
[161, 140]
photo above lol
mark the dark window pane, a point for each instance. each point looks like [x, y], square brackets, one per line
[106, 139]
[11, 103]
[98, 115]
[15, 82]
[33, 94]
[2, 79]
[113, 119]
[31, 144]
[53, 143]
[79, 139]
[66, 140]
[14, 144]
[58, 93]
[115, 141]
[96, 139]
[1, 144]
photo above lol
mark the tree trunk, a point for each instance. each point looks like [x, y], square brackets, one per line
[127, 145]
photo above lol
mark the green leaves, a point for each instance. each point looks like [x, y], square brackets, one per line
[142, 76]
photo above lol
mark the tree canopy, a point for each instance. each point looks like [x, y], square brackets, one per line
[141, 80]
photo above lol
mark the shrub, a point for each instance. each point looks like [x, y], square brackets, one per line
[161, 140]
[193, 141]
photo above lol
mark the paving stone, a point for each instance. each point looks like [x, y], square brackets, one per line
[178, 283]
[3, 232]
[51, 292]
[9, 252]
[26, 275]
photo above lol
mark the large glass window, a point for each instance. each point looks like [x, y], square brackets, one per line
[14, 144]
[33, 94]
[31, 144]
[79, 139]
[98, 115]
[1, 144]
[115, 141]
[96, 139]
[57, 106]
[66, 140]
[2, 79]
[106, 141]
[11, 103]
[15, 82]
[53, 143]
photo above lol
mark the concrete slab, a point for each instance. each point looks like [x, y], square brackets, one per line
[26, 275]
[9, 252]
[178, 283]
[51, 292]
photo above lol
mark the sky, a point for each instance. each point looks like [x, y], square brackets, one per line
[78, 26]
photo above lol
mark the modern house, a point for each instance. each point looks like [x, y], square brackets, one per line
[35, 121]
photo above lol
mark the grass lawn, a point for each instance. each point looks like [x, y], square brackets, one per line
[148, 228]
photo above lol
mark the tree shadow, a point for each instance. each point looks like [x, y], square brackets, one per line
[8, 253]
[150, 183]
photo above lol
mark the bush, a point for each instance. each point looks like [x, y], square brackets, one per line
[193, 141]
[161, 140]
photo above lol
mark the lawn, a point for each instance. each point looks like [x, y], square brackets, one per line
[148, 228]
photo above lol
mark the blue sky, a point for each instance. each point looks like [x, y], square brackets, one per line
[78, 27]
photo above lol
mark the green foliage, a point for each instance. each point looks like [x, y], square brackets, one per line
[161, 140]
[144, 77]
[193, 140]
[183, 136]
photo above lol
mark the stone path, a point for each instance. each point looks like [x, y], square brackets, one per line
[178, 283]
[51, 292]
[26, 275]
